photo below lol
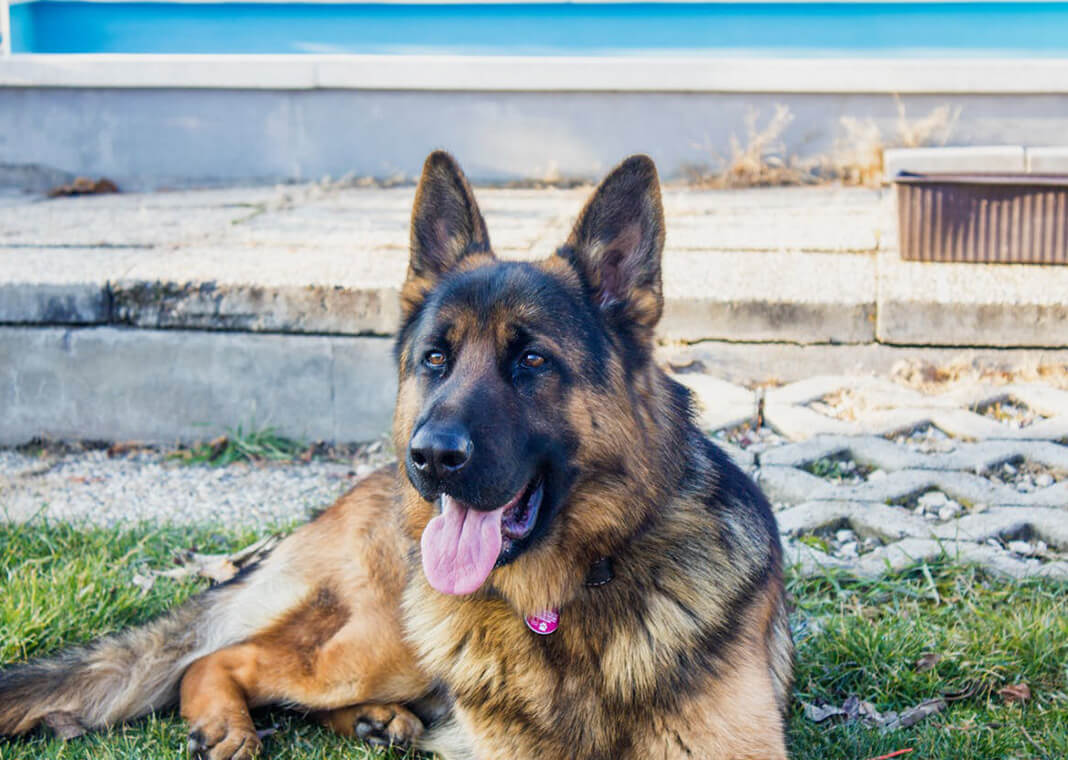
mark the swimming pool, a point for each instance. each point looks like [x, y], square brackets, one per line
[745, 29]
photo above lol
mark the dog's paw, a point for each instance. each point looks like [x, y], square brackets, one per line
[381, 725]
[388, 725]
[224, 740]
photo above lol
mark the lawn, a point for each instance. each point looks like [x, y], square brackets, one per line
[974, 634]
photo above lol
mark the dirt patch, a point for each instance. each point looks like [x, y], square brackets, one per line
[934, 378]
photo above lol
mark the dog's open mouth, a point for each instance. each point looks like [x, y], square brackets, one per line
[521, 513]
[462, 545]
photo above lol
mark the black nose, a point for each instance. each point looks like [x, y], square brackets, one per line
[439, 452]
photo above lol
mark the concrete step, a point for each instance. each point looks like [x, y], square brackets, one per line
[749, 265]
[805, 265]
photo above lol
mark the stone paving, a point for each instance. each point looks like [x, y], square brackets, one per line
[866, 474]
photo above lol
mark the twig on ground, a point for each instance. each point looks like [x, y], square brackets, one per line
[892, 754]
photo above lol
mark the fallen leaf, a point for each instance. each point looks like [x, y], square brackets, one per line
[219, 568]
[64, 724]
[217, 446]
[856, 709]
[914, 715]
[898, 753]
[255, 551]
[820, 713]
[1018, 692]
[927, 661]
[119, 448]
[84, 186]
[144, 582]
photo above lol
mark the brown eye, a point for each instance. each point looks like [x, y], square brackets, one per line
[435, 359]
[532, 360]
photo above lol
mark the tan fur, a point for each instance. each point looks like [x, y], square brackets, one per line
[686, 653]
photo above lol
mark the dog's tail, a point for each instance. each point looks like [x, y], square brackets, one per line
[115, 678]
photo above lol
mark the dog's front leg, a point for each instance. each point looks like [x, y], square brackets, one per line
[364, 661]
[215, 704]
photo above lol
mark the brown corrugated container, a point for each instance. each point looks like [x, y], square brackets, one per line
[983, 218]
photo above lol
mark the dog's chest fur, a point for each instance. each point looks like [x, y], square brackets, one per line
[624, 656]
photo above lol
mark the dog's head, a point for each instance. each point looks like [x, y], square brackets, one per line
[528, 400]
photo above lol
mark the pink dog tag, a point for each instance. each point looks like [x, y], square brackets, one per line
[543, 623]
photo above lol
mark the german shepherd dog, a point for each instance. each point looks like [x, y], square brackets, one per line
[560, 566]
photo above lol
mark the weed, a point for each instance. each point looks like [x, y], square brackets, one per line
[856, 157]
[265, 445]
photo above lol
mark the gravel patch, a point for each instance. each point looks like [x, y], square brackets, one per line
[933, 505]
[1027, 548]
[93, 487]
[1011, 412]
[749, 438]
[842, 469]
[1024, 476]
[927, 440]
[840, 541]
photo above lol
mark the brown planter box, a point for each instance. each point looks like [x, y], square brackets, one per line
[983, 218]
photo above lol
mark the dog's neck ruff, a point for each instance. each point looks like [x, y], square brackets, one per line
[545, 622]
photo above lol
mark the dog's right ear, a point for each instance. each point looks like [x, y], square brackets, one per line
[446, 227]
[617, 243]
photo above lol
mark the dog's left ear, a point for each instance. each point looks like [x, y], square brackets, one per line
[617, 243]
[447, 226]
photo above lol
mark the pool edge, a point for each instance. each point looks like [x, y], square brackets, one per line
[539, 74]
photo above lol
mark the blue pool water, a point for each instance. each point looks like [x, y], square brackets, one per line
[806, 29]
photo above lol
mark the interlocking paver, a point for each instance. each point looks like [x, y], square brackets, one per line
[788, 484]
[722, 404]
[886, 455]
[869, 406]
[869, 513]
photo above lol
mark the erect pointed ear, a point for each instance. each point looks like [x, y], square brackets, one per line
[446, 226]
[617, 242]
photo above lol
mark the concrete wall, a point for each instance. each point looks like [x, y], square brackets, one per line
[152, 138]
[177, 385]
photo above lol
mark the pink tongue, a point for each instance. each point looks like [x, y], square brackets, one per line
[460, 547]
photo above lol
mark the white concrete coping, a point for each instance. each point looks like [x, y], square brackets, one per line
[540, 73]
[1048, 160]
[1012, 159]
[970, 159]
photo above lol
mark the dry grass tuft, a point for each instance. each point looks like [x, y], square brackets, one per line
[762, 160]
[856, 158]
[933, 129]
[937, 378]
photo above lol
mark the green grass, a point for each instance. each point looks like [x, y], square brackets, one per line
[60, 585]
[990, 632]
[241, 445]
